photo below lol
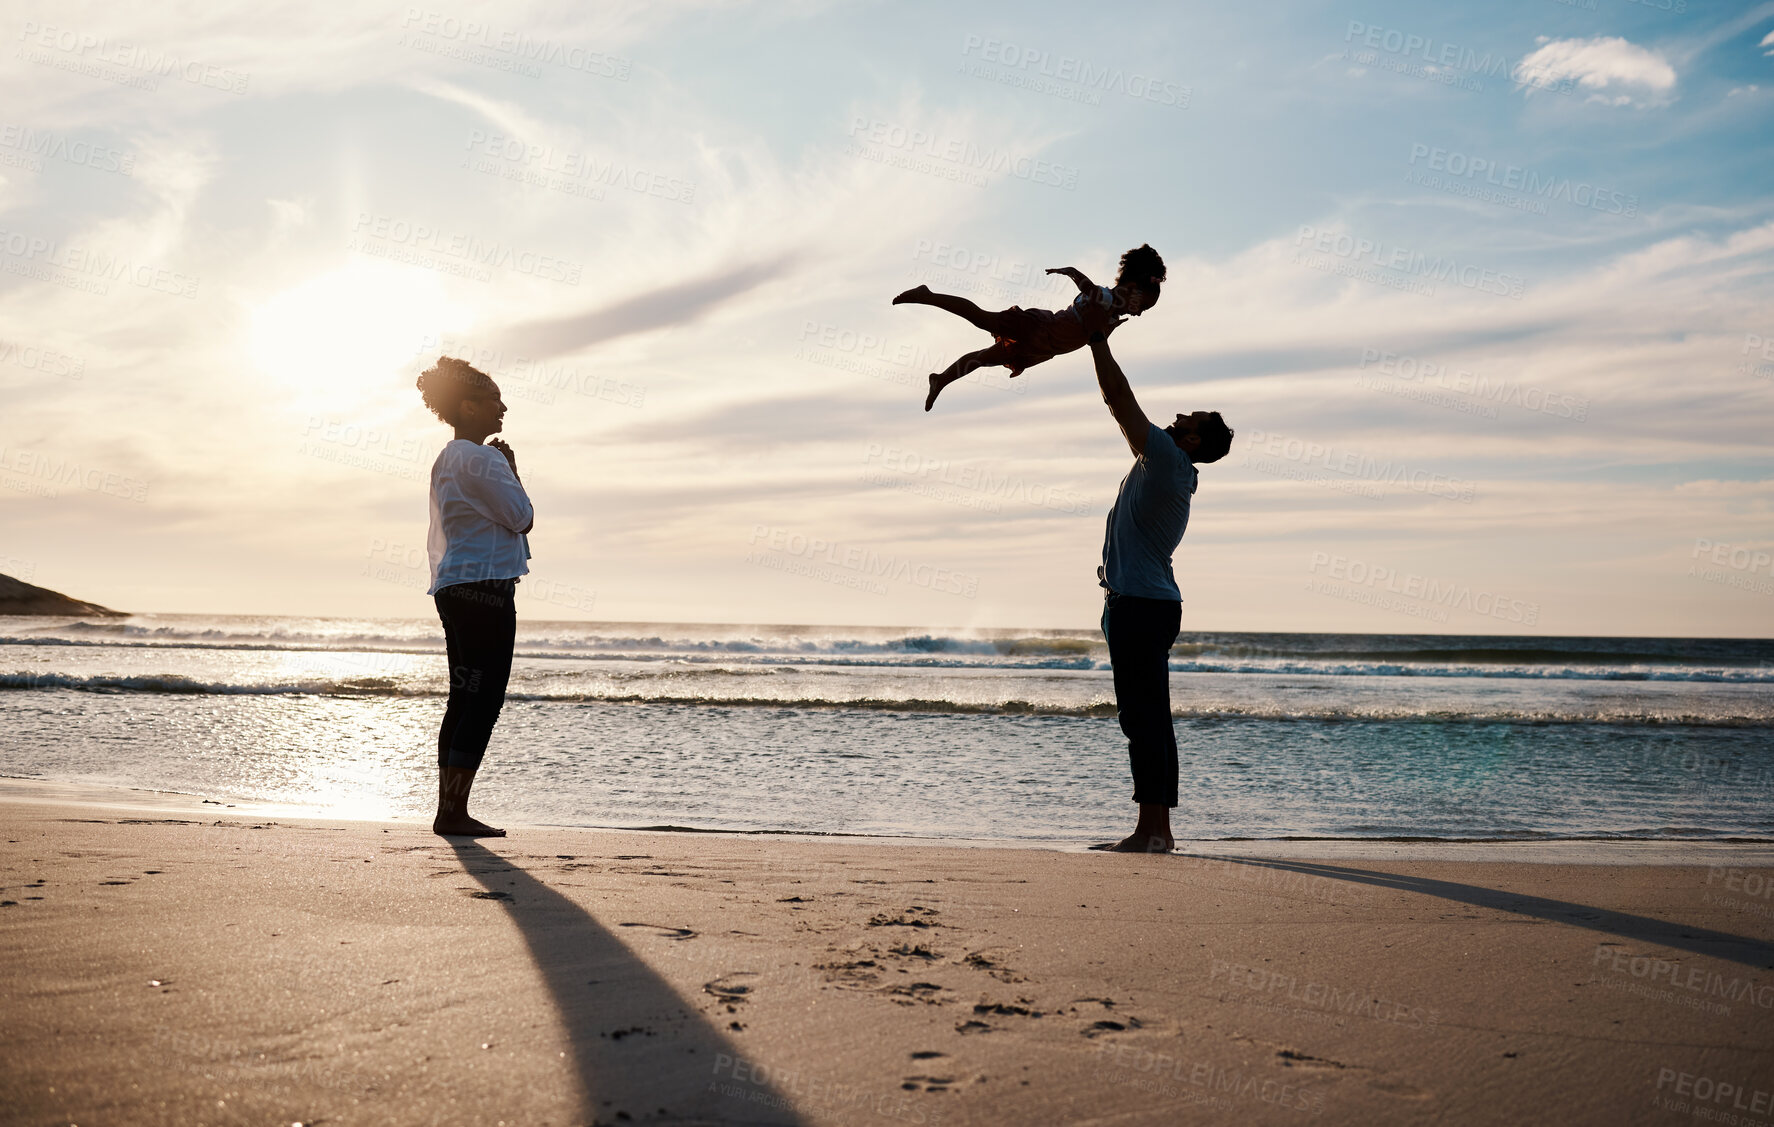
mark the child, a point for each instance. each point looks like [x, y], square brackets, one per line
[1023, 338]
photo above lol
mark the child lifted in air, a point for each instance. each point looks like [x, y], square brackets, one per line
[1022, 338]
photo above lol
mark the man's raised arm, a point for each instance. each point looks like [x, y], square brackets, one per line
[1126, 409]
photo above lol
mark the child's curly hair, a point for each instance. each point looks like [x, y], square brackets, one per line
[446, 383]
[1142, 269]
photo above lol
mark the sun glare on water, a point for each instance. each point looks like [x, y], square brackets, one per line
[353, 330]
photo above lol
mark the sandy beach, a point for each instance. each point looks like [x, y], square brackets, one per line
[177, 962]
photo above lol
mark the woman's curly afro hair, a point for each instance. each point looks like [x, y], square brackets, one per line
[1142, 269]
[446, 383]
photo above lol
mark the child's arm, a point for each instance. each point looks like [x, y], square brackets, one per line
[1085, 285]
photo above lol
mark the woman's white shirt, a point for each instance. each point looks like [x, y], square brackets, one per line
[477, 508]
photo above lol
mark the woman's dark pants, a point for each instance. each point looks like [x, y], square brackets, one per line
[1140, 633]
[480, 630]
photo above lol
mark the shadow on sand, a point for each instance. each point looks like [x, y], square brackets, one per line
[640, 1050]
[1699, 940]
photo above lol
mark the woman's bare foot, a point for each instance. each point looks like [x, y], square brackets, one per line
[453, 785]
[916, 296]
[461, 825]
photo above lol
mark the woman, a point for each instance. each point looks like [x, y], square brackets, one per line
[478, 547]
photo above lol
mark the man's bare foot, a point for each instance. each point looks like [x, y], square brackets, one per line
[1139, 843]
[461, 825]
[937, 383]
[915, 295]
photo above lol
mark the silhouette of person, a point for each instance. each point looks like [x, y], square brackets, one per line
[1142, 607]
[1022, 338]
[479, 547]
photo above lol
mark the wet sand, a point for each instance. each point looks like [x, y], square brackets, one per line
[169, 962]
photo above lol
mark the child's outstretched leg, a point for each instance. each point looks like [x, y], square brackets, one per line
[959, 306]
[985, 357]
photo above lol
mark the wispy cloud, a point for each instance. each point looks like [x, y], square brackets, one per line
[659, 308]
[1609, 68]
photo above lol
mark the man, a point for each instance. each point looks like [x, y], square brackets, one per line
[1142, 609]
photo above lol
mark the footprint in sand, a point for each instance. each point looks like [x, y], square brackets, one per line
[858, 974]
[914, 916]
[729, 989]
[909, 994]
[667, 932]
[980, 960]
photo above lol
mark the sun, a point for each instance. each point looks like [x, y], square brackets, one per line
[355, 329]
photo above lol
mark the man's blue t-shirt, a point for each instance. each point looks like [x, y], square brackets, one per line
[1146, 524]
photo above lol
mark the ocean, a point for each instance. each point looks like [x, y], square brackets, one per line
[992, 735]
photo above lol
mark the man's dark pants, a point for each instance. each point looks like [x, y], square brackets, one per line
[1140, 633]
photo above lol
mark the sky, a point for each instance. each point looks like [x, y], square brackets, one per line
[1484, 290]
